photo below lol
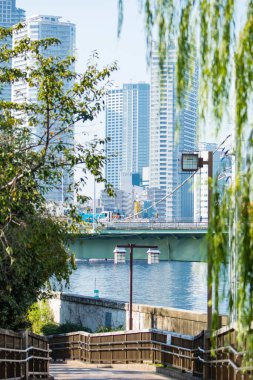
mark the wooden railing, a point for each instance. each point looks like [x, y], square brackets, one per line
[189, 354]
[23, 355]
[225, 361]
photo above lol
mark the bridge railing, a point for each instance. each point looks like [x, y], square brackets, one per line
[186, 353]
[155, 225]
[23, 354]
[143, 225]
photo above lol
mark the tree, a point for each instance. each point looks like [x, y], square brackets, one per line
[36, 145]
[219, 33]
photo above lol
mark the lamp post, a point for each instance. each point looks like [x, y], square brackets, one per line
[192, 162]
[94, 206]
[118, 249]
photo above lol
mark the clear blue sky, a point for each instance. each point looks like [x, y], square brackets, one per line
[96, 25]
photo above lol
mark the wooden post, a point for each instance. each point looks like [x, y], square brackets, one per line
[5, 356]
[26, 344]
[206, 369]
[48, 355]
[131, 289]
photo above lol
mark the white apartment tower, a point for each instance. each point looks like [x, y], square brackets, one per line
[114, 127]
[37, 28]
[167, 142]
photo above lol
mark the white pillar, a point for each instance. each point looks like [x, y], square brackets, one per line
[119, 255]
[153, 256]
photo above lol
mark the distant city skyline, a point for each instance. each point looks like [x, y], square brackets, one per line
[96, 29]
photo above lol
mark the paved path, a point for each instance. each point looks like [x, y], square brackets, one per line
[75, 370]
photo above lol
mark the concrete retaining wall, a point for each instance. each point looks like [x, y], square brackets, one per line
[93, 313]
[88, 311]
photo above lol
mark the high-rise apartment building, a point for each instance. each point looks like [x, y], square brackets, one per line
[9, 16]
[114, 127]
[37, 28]
[171, 132]
[127, 126]
[135, 137]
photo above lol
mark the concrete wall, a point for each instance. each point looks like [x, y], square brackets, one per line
[93, 313]
[88, 311]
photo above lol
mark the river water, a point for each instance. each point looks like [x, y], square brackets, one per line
[174, 284]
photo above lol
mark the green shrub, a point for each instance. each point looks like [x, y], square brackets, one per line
[50, 329]
[103, 329]
[54, 328]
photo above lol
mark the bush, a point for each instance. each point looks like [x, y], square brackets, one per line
[103, 329]
[54, 328]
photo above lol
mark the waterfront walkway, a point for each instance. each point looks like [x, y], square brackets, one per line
[76, 370]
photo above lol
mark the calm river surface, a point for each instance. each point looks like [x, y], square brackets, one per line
[170, 283]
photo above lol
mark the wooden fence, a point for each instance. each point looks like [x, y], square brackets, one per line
[26, 355]
[23, 355]
[189, 354]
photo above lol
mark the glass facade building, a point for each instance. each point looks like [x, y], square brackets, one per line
[127, 126]
[9, 16]
[135, 136]
[37, 28]
[167, 142]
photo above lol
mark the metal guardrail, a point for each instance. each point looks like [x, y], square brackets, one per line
[189, 354]
[144, 225]
[23, 355]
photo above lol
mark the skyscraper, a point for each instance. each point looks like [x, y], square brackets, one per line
[135, 136]
[127, 126]
[166, 140]
[114, 127]
[9, 16]
[37, 28]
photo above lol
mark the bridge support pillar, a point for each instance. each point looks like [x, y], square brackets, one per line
[153, 256]
[119, 255]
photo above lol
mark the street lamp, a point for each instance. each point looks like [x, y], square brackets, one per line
[120, 251]
[192, 162]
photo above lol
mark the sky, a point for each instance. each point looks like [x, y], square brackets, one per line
[96, 29]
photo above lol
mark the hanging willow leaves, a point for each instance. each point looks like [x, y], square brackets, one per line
[221, 32]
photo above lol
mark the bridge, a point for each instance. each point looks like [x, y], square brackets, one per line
[176, 241]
